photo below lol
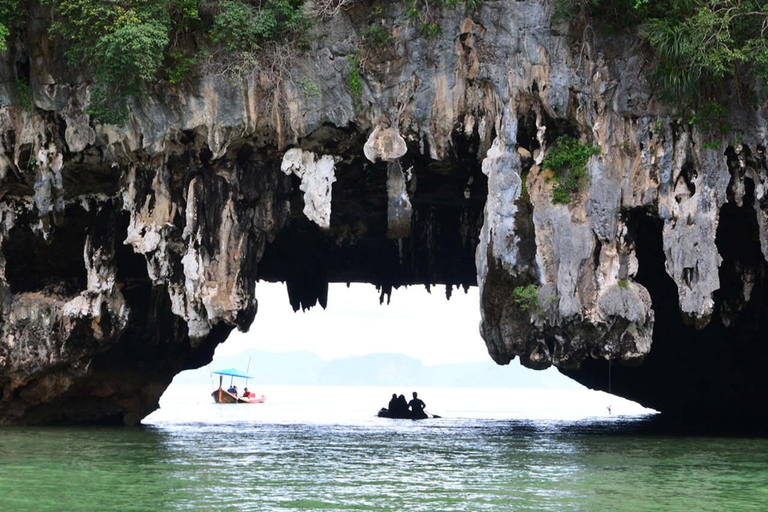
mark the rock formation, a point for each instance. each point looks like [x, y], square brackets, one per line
[129, 252]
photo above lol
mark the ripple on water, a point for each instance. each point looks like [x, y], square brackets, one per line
[468, 464]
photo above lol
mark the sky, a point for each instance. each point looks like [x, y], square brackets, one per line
[416, 323]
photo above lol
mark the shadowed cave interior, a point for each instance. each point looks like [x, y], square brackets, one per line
[715, 374]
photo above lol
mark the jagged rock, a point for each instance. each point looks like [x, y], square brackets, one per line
[129, 252]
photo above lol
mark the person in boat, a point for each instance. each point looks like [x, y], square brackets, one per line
[233, 390]
[393, 404]
[247, 394]
[402, 406]
[417, 407]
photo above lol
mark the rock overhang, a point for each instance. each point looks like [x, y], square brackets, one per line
[437, 178]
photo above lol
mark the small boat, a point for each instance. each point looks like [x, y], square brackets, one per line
[407, 415]
[222, 396]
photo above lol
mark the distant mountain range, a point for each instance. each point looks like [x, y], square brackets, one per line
[306, 368]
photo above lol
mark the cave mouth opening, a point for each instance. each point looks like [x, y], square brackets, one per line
[351, 345]
[343, 363]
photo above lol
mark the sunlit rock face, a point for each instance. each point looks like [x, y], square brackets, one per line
[129, 253]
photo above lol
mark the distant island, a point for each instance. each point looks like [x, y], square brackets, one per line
[306, 368]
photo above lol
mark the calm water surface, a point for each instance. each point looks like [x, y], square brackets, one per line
[310, 449]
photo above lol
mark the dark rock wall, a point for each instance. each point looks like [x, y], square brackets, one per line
[104, 306]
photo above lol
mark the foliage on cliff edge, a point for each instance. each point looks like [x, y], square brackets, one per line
[697, 44]
[125, 45]
[12, 13]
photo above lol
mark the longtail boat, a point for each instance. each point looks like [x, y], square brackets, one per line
[223, 396]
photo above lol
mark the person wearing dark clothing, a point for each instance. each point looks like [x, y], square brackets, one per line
[417, 407]
[393, 404]
[402, 406]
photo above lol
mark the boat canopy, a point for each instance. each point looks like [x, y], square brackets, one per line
[231, 372]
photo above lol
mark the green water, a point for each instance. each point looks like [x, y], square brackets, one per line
[445, 465]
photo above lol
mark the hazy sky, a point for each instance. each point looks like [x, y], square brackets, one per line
[416, 323]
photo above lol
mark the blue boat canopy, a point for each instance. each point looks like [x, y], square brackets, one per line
[231, 372]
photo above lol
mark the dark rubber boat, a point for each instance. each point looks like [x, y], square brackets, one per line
[408, 415]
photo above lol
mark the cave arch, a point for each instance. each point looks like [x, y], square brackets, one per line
[710, 376]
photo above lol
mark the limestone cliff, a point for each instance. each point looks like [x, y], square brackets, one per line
[129, 252]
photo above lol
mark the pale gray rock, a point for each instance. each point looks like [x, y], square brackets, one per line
[384, 144]
[317, 177]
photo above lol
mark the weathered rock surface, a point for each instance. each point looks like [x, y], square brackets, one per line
[129, 252]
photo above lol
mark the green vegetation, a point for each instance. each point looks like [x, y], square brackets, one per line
[527, 297]
[376, 44]
[124, 45]
[241, 26]
[355, 77]
[120, 44]
[623, 283]
[107, 106]
[523, 179]
[309, 88]
[4, 32]
[180, 66]
[12, 13]
[711, 116]
[425, 14]
[697, 44]
[376, 36]
[567, 159]
[24, 94]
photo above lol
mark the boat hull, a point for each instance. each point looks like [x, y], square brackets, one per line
[408, 415]
[221, 396]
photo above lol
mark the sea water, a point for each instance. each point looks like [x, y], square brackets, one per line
[322, 448]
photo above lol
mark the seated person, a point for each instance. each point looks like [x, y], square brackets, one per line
[417, 407]
[402, 405]
[247, 394]
[393, 405]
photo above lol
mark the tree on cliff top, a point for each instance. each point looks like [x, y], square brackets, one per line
[697, 44]
[12, 13]
[126, 45]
